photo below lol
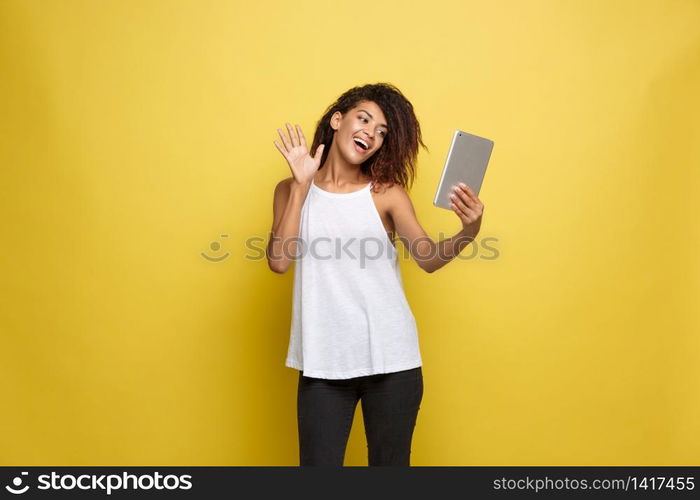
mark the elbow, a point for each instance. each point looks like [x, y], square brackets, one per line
[430, 266]
[426, 259]
[277, 263]
[278, 266]
[427, 266]
[275, 267]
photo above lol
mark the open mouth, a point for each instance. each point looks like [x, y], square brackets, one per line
[360, 145]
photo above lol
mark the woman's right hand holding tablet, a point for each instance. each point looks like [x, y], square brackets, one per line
[295, 151]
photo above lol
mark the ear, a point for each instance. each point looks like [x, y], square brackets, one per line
[335, 120]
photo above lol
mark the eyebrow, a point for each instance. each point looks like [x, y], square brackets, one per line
[370, 115]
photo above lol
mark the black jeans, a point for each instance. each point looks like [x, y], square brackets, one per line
[325, 410]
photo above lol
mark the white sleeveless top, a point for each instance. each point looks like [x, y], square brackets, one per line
[350, 316]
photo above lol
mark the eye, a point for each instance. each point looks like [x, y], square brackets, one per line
[367, 121]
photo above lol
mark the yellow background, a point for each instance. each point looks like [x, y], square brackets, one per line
[134, 134]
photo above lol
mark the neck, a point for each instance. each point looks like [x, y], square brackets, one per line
[336, 171]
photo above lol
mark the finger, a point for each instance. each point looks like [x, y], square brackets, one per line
[319, 152]
[302, 139]
[466, 216]
[282, 150]
[293, 135]
[463, 197]
[475, 203]
[285, 141]
[467, 211]
[460, 214]
[472, 209]
[469, 191]
[462, 200]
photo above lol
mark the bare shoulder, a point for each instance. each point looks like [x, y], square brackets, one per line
[390, 189]
[393, 196]
[283, 187]
[284, 183]
[280, 198]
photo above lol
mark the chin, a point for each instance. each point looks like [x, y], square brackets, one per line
[354, 160]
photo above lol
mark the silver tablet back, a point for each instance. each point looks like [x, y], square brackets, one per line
[466, 162]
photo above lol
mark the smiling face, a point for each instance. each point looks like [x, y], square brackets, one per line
[360, 132]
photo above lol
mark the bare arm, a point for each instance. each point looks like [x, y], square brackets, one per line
[429, 255]
[289, 197]
[288, 200]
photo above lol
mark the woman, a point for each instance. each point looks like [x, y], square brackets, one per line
[353, 336]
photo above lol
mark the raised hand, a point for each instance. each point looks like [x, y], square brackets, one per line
[302, 164]
[468, 208]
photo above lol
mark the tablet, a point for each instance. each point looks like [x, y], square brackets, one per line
[466, 162]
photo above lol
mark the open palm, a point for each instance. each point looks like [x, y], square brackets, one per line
[295, 151]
